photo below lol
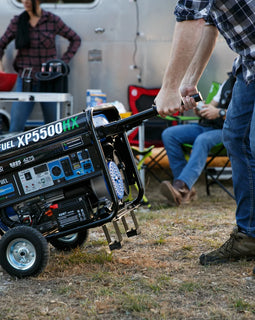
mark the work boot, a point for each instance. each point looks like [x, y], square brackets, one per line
[190, 196]
[186, 193]
[173, 196]
[238, 246]
[178, 193]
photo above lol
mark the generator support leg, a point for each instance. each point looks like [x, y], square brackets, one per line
[107, 234]
[134, 219]
[133, 231]
[113, 244]
[117, 230]
[124, 222]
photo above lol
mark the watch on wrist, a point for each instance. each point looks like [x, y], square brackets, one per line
[222, 113]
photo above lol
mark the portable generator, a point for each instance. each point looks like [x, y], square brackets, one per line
[61, 179]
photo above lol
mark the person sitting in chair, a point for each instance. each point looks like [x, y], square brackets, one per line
[202, 136]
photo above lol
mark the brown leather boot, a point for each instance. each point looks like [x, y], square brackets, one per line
[238, 246]
[187, 194]
[173, 195]
[190, 196]
[178, 193]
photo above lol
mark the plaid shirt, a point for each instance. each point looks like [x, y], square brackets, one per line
[42, 42]
[234, 19]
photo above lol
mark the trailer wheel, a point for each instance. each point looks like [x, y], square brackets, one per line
[70, 241]
[23, 252]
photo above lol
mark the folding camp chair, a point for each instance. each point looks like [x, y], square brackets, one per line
[140, 157]
[217, 167]
[140, 99]
[214, 173]
[223, 171]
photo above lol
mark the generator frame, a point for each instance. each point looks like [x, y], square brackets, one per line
[65, 178]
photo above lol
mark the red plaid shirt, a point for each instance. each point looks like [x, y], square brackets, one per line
[42, 42]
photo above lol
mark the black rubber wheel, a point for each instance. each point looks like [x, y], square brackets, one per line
[23, 252]
[71, 241]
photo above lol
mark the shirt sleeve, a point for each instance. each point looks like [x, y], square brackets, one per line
[193, 10]
[73, 38]
[8, 35]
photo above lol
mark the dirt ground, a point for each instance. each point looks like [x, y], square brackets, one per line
[155, 275]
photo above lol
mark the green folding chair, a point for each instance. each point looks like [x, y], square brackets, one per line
[214, 175]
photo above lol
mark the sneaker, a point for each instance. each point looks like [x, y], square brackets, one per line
[238, 246]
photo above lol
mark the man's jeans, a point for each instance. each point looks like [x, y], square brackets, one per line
[202, 139]
[21, 111]
[239, 140]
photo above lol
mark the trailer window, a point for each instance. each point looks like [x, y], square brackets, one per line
[67, 1]
[62, 4]
[63, 1]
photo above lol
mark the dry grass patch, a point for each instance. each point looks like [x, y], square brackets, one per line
[155, 275]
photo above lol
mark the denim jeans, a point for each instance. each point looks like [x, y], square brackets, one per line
[239, 140]
[21, 111]
[202, 139]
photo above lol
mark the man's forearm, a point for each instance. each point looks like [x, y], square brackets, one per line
[202, 55]
[187, 36]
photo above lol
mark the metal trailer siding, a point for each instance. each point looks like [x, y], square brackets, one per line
[108, 31]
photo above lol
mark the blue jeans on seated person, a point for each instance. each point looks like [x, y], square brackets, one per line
[239, 140]
[201, 138]
[21, 111]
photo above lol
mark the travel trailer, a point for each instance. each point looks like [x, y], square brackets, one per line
[124, 42]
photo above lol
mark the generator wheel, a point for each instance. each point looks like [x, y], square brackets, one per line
[70, 241]
[23, 252]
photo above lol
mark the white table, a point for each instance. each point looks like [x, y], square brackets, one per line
[65, 98]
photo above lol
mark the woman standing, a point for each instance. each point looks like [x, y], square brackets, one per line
[35, 31]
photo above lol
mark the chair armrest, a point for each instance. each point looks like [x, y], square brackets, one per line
[180, 118]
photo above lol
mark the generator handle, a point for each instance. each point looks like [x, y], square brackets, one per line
[132, 121]
[126, 124]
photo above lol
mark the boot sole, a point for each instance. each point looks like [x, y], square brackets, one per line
[204, 262]
[168, 191]
[191, 197]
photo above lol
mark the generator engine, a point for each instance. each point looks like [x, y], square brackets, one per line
[66, 177]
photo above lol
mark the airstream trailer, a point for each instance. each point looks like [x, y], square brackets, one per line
[123, 42]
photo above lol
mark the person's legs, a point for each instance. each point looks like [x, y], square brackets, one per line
[173, 138]
[252, 135]
[236, 134]
[20, 111]
[200, 150]
[49, 110]
[236, 138]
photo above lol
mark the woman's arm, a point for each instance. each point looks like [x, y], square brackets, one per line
[73, 38]
[8, 35]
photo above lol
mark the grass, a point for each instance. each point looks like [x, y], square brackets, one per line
[154, 276]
